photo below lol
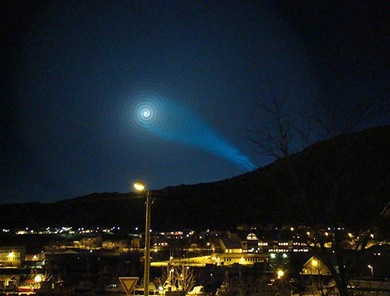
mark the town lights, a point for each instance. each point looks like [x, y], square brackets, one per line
[139, 186]
[38, 278]
[280, 274]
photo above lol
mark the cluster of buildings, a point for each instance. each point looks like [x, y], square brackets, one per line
[67, 255]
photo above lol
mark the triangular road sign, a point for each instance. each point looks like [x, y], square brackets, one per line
[128, 283]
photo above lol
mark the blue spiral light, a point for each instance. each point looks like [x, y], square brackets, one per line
[165, 119]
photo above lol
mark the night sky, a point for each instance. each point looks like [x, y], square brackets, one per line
[97, 94]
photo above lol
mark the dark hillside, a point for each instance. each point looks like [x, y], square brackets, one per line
[345, 180]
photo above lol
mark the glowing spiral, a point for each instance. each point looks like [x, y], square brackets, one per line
[150, 111]
[145, 111]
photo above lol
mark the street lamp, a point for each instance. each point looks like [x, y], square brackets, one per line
[139, 186]
[37, 281]
[371, 269]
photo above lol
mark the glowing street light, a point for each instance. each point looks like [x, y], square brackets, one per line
[37, 281]
[280, 273]
[371, 269]
[139, 186]
[38, 278]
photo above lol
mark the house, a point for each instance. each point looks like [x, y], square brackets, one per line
[11, 260]
[314, 266]
[12, 256]
[116, 245]
[229, 245]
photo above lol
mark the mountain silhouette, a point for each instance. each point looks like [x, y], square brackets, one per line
[342, 181]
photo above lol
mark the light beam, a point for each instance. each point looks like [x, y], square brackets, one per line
[171, 121]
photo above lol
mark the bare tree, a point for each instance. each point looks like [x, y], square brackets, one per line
[177, 278]
[280, 134]
[273, 133]
[168, 279]
[185, 278]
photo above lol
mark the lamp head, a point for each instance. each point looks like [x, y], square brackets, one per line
[38, 278]
[280, 273]
[139, 186]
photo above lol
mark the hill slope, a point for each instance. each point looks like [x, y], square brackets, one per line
[344, 180]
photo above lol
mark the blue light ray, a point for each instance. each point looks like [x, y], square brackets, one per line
[173, 122]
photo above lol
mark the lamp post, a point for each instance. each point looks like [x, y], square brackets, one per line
[371, 269]
[139, 186]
